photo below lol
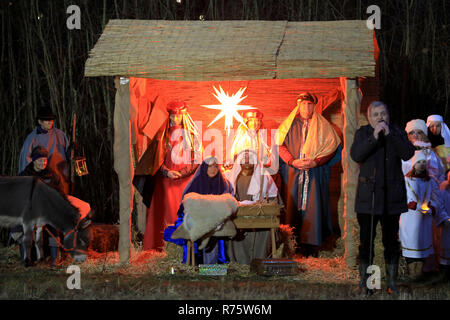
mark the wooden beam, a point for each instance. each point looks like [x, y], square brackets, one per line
[350, 109]
[123, 165]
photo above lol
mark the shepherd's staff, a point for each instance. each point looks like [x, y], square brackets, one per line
[78, 164]
[72, 155]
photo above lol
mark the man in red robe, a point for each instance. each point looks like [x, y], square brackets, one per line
[169, 163]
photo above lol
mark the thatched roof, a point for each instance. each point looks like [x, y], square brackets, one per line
[233, 50]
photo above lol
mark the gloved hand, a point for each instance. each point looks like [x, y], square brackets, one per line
[412, 205]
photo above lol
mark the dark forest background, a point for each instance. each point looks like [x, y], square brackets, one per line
[42, 63]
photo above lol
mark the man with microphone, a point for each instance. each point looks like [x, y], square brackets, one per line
[378, 148]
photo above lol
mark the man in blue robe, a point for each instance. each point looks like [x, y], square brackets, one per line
[53, 140]
[309, 147]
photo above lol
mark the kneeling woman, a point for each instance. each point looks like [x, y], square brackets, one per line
[208, 179]
[416, 225]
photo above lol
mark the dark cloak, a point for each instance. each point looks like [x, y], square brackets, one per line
[144, 176]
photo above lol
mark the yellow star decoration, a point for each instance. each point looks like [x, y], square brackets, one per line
[229, 107]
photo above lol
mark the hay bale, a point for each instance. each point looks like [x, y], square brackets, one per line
[173, 251]
[286, 242]
[104, 237]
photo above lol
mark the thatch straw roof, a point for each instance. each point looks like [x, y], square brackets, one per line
[233, 50]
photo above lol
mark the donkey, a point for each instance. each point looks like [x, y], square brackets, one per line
[29, 202]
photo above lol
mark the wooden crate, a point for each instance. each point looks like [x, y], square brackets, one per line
[258, 209]
[274, 267]
[262, 222]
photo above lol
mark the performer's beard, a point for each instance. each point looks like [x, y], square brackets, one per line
[247, 169]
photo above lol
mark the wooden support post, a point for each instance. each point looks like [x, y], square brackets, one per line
[123, 166]
[350, 109]
[274, 244]
[188, 253]
[193, 254]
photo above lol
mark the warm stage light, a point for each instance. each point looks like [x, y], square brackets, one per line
[229, 107]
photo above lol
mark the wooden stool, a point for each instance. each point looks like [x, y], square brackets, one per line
[190, 261]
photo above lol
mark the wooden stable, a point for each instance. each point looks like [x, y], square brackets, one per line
[274, 60]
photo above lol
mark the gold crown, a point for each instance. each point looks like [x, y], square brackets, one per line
[253, 114]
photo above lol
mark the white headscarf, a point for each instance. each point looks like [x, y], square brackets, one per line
[416, 124]
[418, 155]
[269, 187]
[445, 132]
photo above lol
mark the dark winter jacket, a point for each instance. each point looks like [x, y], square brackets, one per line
[381, 168]
[47, 175]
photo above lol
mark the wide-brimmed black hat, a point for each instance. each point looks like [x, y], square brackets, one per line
[45, 113]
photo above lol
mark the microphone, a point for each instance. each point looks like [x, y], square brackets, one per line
[382, 132]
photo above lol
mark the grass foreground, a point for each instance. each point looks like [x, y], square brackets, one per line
[148, 276]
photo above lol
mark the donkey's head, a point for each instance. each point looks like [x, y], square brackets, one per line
[77, 241]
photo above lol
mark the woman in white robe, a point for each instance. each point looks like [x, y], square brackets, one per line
[444, 252]
[417, 134]
[416, 225]
[439, 135]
